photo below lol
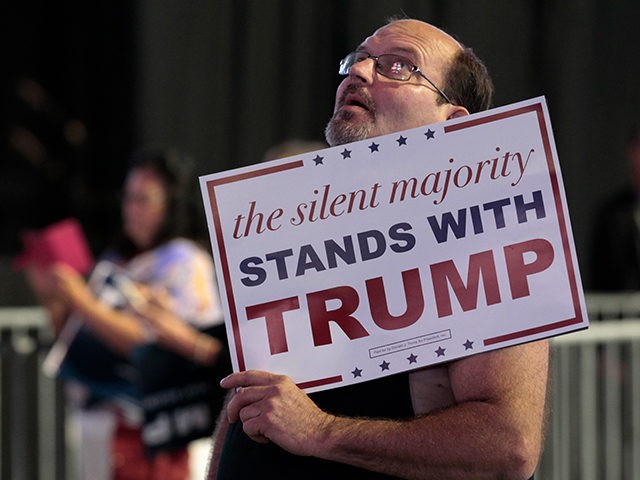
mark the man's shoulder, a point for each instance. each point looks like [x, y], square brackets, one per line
[430, 389]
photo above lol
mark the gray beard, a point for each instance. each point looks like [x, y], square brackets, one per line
[340, 131]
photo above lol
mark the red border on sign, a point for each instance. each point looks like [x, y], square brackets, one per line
[224, 265]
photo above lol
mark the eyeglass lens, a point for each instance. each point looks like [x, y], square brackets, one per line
[389, 65]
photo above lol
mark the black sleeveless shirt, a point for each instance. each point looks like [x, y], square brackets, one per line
[242, 458]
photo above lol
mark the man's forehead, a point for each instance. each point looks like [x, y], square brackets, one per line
[397, 48]
[410, 36]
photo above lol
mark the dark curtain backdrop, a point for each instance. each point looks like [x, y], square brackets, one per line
[226, 79]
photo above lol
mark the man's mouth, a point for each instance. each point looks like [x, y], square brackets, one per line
[353, 100]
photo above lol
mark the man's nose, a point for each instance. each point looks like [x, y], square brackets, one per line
[364, 70]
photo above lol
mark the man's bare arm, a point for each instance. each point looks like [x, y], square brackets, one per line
[494, 430]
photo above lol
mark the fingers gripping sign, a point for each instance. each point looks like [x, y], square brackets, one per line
[273, 408]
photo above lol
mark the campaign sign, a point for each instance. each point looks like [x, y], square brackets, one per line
[397, 252]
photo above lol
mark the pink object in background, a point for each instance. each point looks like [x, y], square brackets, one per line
[63, 241]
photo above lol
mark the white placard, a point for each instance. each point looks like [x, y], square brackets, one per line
[397, 252]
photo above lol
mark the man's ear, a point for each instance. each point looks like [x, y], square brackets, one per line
[457, 111]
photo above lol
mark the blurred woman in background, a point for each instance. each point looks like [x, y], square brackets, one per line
[150, 324]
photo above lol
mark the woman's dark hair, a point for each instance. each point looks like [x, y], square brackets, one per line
[467, 82]
[175, 173]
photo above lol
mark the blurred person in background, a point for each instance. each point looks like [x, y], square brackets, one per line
[615, 257]
[142, 363]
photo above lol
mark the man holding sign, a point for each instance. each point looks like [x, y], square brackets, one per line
[481, 416]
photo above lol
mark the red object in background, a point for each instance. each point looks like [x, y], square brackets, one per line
[63, 241]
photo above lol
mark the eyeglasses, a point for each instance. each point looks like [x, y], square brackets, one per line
[388, 65]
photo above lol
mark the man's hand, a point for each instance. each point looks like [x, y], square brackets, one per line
[273, 408]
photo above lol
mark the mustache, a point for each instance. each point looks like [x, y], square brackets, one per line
[360, 91]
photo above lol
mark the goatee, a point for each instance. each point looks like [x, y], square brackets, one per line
[341, 128]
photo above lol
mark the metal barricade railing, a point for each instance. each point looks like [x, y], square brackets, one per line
[593, 432]
[594, 427]
[32, 438]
